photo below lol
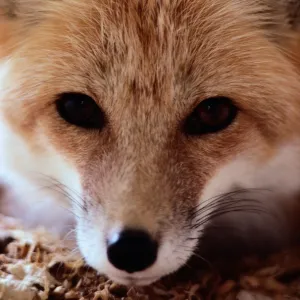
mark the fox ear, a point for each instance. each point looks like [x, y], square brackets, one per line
[282, 13]
[283, 26]
[293, 13]
[16, 16]
[27, 10]
[293, 23]
[280, 21]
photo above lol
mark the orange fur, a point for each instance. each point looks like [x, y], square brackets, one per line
[148, 64]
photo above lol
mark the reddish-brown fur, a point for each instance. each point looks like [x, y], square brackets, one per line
[148, 64]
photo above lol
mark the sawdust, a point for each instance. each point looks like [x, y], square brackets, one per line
[34, 266]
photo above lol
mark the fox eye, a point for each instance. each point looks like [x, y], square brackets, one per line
[211, 115]
[80, 110]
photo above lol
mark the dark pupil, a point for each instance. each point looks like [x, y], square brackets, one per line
[79, 110]
[213, 113]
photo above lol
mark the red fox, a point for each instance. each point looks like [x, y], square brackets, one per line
[146, 119]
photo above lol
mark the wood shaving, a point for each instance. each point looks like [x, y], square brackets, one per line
[35, 266]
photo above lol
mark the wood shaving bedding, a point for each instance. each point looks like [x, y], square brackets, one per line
[34, 266]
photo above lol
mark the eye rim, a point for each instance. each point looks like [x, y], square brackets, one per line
[201, 128]
[99, 120]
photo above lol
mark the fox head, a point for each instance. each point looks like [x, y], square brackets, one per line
[148, 116]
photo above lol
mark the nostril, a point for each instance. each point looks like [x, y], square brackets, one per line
[132, 251]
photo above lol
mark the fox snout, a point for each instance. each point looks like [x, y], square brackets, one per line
[131, 216]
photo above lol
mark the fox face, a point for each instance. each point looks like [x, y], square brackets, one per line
[145, 117]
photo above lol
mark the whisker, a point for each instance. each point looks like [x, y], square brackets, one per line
[225, 198]
[223, 212]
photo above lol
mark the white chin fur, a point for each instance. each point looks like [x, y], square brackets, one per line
[36, 184]
[281, 174]
[134, 282]
[171, 256]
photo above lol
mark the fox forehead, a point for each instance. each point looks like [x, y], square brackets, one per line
[148, 64]
[137, 54]
[147, 44]
[151, 63]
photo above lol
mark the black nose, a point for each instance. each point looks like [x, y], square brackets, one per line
[132, 251]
